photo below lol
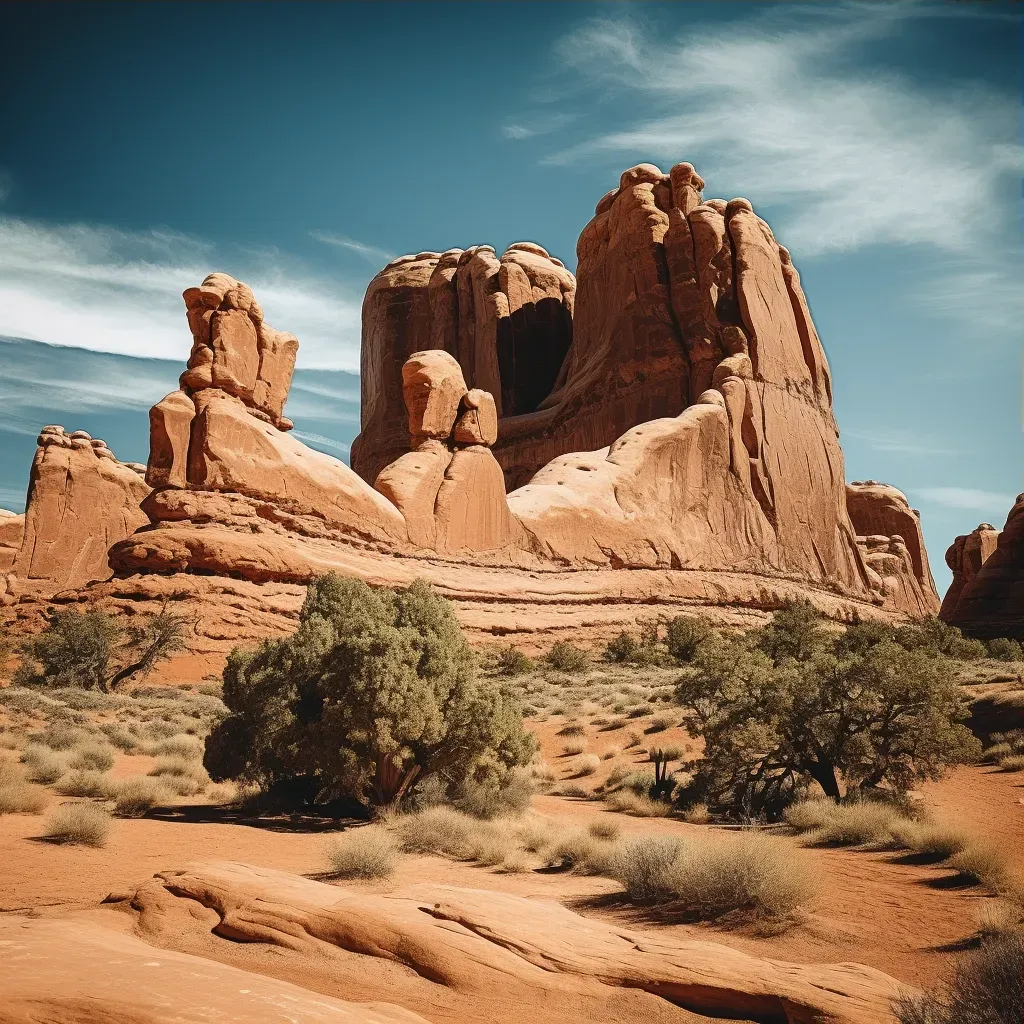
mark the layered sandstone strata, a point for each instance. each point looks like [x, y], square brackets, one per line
[12, 532]
[892, 545]
[81, 500]
[694, 374]
[507, 322]
[986, 597]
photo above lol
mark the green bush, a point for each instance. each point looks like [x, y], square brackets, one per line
[511, 661]
[621, 649]
[792, 704]
[564, 657]
[92, 650]
[933, 636]
[684, 634]
[1004, 649]
[375, 692]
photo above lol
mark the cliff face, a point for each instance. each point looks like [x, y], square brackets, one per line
[668, 418]
[986, 597]
[81, 501]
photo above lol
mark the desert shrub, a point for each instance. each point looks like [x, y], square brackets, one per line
[1004, 649]
[491, 844]
[92, 755]
[995, 753]
[1012, 763]
[43, 764]
[588, 764]
[779, 710]
[574, 747]
[640, 711]
[633, 738]
[16, 795]
[438, 830]
[934, 637]
[638, 805]
[659, 723]
[365, 853]
[92, 650]
[984, 865]
[684, 634]
[573, 791]
[494, 798]
[748, 875]
[605, 828]
[621, 648]
[987, 987]
[1000, 917]
[607, 755]
[84, 783]
[135, 795]
[511, 661]
[61, 737]
[571, 729]
[118, 736]
[175, 764]
[84, 824]
[937, 841]
[696, 814]
[375, 692]
[565, 657]
[857, 824]
[180, 746]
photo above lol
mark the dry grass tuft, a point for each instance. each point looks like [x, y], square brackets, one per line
[747, 875]
[627, 802]
[84, 783]
[92, 755]
[574, 747]
[83, 824]
[368, 852]
[44, 765]
[135, 795]
[587, 765]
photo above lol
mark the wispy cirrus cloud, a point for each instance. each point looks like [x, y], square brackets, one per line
[969, 498]
[369, 252]
[903, 441]
[537, 124]
[100, 288]
[782, 107]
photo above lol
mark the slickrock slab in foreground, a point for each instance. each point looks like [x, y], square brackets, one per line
[465, 950]
[79, 972]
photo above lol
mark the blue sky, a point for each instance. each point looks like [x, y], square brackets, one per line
[300, 147]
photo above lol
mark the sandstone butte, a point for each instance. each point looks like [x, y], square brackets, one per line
[221, 935]
[986, 597]
[553, 453]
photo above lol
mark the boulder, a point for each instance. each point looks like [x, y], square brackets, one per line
[81, 500]
[986, 597]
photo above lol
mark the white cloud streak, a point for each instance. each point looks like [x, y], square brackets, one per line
[100, 288]
[895, 440]
[779, 108]
[369, 252]
[969, 498]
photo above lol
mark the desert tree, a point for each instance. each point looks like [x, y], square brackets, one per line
[374, 693]
[793, 704]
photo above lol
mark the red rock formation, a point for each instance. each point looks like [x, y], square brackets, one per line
[986, 597]
[694, 362]
[12, 532]
[485, 955]
[81, 500]
[889, 536]
[507, 322]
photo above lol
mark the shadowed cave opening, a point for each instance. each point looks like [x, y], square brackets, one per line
[532, 345]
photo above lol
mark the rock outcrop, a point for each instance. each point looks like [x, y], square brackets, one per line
[12, 532]
[476, 955]
[685, 448]
[507, 322]
[986, 597]
[892, 544]
[81, 500]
